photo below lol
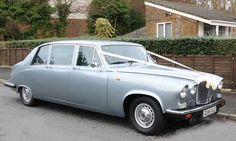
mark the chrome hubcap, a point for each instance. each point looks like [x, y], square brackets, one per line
[144, 115]
[26, 94]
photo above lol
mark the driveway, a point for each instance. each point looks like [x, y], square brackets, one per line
[59, 123]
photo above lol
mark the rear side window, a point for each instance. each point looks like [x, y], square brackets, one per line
[62, 54]
[88, 55]
[42, 56]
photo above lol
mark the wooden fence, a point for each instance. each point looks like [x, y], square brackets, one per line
[224, 66]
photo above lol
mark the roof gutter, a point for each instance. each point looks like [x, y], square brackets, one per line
[211, 22]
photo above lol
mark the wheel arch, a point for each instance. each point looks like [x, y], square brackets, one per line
[137, 93]
[19, 87]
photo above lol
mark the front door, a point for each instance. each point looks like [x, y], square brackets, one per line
[87, 82]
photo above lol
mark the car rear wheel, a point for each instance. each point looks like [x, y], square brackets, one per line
[146, 116]
[27, 97]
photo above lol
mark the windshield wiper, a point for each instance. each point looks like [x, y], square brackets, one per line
[118, 62]
[122, 62]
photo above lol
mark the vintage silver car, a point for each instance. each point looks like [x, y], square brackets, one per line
[116, 78]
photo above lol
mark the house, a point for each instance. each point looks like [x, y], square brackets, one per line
[171, 19]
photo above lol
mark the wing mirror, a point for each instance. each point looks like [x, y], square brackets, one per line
[94, 64]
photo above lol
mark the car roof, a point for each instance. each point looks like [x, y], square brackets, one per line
[94, 42]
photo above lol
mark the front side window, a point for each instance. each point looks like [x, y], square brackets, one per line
[62, 55]
[41, 56]
[87, 56]
[134, 52]
[164, 30]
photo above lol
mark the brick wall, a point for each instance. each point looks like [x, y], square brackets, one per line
[181, 26]
[76, 27]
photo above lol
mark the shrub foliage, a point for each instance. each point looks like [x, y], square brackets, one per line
[122, 17]
[104, 28]
[184, 46]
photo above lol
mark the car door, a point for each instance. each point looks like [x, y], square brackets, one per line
[60, 64]
[49, 71]
[36, 74]
[87, 81]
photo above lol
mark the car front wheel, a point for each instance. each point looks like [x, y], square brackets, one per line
[27, 97]
[146, 116]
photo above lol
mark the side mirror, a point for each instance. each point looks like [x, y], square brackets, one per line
[94, 64]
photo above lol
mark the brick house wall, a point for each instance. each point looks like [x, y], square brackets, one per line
[181, 26]
[233, 32]
[76, 27]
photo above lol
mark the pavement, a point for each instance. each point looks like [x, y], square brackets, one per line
[5, 73]
[54, 122]
[228, 111]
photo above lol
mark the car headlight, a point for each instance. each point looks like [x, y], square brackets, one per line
[220, 86]
[193, 91]
[184, 92]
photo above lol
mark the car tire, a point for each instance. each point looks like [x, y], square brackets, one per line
[146, 116]
[27, 97]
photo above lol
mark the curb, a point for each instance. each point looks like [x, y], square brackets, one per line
[227, 116]
[229, 91]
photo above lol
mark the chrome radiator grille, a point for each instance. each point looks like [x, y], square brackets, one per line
[203, 94]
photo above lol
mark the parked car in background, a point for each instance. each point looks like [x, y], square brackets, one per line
[115, 78]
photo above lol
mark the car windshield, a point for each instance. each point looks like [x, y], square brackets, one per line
[131, 51]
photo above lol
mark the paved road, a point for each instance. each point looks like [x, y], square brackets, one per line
[54, 122]
[5, 73]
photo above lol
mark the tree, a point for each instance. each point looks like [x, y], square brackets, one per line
[37, 14]
[63, 10]
[123, 18]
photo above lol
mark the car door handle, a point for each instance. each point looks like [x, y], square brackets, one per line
[75, 68]
[48, 67]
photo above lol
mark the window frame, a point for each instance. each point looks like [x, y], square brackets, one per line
[95, 50]
[164, 29]
[48, 57]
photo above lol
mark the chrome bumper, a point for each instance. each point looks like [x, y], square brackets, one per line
[218, 103]
[9, 84]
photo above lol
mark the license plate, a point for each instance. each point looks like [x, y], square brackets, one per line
[209, 111]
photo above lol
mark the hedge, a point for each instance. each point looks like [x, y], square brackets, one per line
[182, 46]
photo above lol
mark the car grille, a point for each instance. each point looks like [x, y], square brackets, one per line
[204, 95]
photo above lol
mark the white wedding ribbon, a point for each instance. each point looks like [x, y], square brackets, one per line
[169, 60]
[211, 81]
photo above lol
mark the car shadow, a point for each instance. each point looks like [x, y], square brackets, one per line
[172, 127]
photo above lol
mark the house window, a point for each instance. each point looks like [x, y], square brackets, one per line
[164, 30]
[222, 31]
[209, 30]
[212, 30]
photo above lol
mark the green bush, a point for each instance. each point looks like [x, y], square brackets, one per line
[183, 46]
[122, 17]
[104, 28]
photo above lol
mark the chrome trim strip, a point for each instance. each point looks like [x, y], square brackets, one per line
[183, 112]
[9, 84]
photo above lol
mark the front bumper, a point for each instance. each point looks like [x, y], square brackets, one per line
[196, 112]
[9, 84]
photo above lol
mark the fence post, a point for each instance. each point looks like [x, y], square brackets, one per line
[9, 56]
[15, 55]
[193, 58]
[233, 73]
